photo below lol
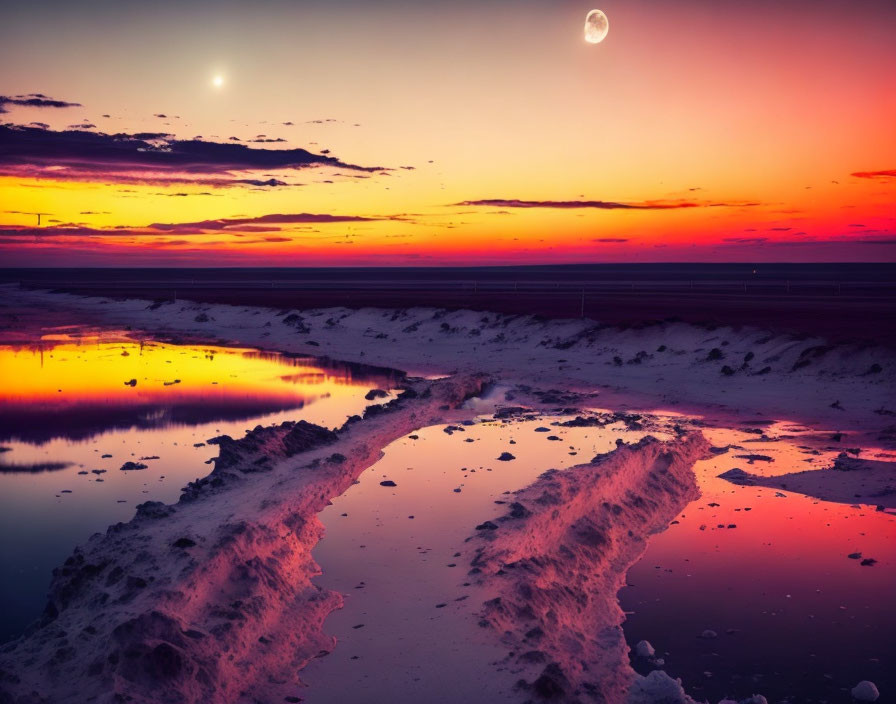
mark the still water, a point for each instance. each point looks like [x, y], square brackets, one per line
[75, 409]
[766, 571]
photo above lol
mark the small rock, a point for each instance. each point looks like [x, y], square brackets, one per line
[506, 457]
[488, 525]
[643, 649]
[388, 482]
[865, 691]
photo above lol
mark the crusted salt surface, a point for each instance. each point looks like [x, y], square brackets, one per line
[850, 480]
[211, 599]
[673, 364]
[558, 557]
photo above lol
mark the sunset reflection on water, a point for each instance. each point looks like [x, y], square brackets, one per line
[74, 409]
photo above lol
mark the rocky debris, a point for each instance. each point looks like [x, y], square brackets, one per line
[506, 412]
[557, 558]
[643, 649]
[845, 463]
[587, 422]
[298, 322]
[657, 688]
[753, 458]
[286, 440]
[132, 466]
[506, 457]
[138, 614]
[865, 691]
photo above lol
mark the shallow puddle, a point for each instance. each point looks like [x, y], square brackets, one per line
[408, 632]
[69, 423]
[768, 573]
[748, 584]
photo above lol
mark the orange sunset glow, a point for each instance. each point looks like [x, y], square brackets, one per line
[446, 134]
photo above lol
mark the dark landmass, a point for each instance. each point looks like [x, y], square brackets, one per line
[855, 302]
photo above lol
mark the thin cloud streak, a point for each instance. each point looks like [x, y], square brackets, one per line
[886, 175]
[596, 204]
[34, 100]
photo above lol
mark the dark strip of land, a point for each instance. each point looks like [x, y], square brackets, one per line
[853, 302]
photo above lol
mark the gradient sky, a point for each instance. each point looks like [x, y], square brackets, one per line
[446, 132]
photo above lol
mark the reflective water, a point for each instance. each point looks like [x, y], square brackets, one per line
[408, 632]
[767, 571]
[75, 409]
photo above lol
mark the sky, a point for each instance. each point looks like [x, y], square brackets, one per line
[216, 133]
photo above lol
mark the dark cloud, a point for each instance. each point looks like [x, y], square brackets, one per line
[597, 204]
[82, 155]
[34, 100]
[885, 175]
[67, 230]
[230, 226]
[252, 224]
[809, 243]
[271, 182]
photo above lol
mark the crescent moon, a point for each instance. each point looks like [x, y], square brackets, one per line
[596, 27]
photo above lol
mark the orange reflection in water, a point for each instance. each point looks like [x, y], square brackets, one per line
[136, 372]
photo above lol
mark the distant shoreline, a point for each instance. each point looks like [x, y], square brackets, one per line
[843, 302]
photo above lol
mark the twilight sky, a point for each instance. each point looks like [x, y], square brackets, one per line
[446, 132]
